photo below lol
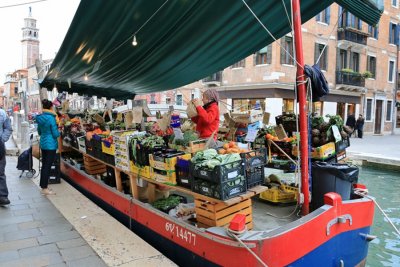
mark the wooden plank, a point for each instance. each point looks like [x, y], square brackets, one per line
[151, 192]
[118, 181]
[218, 211]
[228, 219]
[224, 222]
[233, 209]
[134, 188]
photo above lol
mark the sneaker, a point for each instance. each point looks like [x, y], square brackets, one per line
[4, 201]
[47, 192]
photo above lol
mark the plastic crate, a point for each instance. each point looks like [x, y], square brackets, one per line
[166, 164]
[285, 146]
[220, 173]
[107, 147]
[254, 162]
[281, 194]
[166, 177]
[183, 173]
[141, 171]
[222, 191]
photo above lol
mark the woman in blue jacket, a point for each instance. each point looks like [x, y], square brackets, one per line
[48, 131]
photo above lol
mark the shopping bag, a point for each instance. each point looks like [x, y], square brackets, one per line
[191, 110]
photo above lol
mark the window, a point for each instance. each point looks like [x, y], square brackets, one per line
[393, 34]
[179, 100]
[355, 61]
[248, 104]
[368, 116]
[287, 56]
[168, 100]
[153, 99]
[239, 64]
[192, 96]
[263, 56]
[349, 20]
[15, 90]
[389, 110]
[324, 16]
[371, 65]
[394, 3]
[373, 31]
[323, 60]
[342, 59]
[391, 71]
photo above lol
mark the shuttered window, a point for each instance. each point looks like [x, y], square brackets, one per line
[264, 56]
[371, 65]
[324, 16]
[323, 60]
[287, 56]
[373, 31]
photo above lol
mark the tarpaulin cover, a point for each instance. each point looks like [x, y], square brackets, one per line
[178, 41]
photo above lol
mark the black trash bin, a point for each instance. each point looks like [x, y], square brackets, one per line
[331, 177]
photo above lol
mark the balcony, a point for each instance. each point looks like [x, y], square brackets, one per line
[353, 35]
[213, 80]
[350, 78]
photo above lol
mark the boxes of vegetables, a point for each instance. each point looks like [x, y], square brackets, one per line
[218, 176]
[254, 162]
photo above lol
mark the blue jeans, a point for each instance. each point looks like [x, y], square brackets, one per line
[3, 184]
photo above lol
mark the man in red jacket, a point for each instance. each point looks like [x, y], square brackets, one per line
[207, 119]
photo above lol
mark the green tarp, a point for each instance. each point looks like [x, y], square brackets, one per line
[179, 41]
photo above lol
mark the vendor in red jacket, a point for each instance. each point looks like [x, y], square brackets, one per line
[207, 119]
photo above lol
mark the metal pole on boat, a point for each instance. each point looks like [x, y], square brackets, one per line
[301, 88]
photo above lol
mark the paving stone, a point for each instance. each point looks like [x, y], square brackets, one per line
[24, 212]
[57, 228]
[76, 242]
[46, 239]
[74, 253]
[21, 201]
[8, 256]
[14, 206]
[92, 261]
[45, 249]
[47, 214]
[41, 205]
[8, 228]
[29, 225]
[18, 244]
[37, 260]
[15, 220]
[62, 264]
[22, 234]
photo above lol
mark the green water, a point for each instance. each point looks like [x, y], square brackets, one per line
[385, 187]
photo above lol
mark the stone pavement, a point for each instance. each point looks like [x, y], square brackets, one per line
[65, 229]
[380, 149]
[34, 233]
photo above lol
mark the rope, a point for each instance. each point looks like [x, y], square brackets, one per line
[363, 193]
[273, 37]
[236, 235]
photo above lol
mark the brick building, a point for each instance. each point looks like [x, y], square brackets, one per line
[359, 63]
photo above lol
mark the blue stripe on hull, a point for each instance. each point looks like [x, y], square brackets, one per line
[350, 247]
[176, 253]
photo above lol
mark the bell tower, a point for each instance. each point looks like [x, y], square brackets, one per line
[30, 41]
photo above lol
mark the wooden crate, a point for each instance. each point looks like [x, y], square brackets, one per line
[93, 166]
[218, 214]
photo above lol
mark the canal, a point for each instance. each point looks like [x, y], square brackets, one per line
[385, 187]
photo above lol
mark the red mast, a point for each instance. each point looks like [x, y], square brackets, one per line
[301, 88]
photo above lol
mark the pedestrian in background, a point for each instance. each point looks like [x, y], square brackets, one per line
[5, 133]
[360, 126]
[48, 131]
[351, 122]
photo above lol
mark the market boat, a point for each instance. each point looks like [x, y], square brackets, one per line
[179, 42]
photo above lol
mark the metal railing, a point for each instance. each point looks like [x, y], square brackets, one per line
[214, 78]
[350, 78]
[352, 35]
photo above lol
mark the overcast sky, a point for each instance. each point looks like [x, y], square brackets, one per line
[53, 20]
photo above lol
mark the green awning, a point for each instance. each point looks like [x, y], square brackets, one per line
[179, 41]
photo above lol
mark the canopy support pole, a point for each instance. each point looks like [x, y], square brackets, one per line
[301, 89]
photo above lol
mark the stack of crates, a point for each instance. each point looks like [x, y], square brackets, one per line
[162, 169]
[223, 182]
[254, 162]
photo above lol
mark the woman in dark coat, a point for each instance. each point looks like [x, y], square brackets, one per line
[48, 131]
[360, 126]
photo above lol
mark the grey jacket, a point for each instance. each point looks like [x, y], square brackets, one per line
[5, 126]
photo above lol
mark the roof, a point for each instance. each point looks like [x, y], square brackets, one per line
[178, 42]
